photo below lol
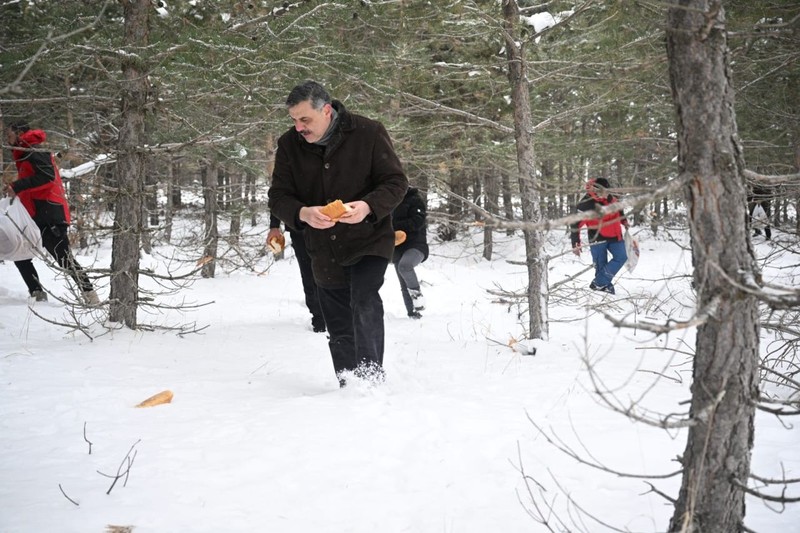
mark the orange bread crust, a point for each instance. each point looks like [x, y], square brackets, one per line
[334, 210]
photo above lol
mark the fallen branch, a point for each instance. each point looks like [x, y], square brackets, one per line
[120, 473]
[87, 440]
[67, 497]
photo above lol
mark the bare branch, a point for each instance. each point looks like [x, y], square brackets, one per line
[87, 440]
[127, 460]
[67, 497]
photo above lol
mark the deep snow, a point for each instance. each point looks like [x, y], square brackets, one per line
[260, 438]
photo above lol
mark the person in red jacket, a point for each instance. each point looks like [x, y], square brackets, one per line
[604, 235]
[38, 186]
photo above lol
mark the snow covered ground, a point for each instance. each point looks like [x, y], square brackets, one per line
[260, 438]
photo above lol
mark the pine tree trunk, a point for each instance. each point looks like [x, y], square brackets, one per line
[211, 213]
[235, 207]
[526, 161]
[250, 197]
[490, 205]
[725, 385]
[168, 209]
[508, 203]
[130, 168]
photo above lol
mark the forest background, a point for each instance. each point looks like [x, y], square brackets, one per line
[157, 107]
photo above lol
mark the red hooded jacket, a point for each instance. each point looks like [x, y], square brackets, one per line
[607, 228]
[38, 183]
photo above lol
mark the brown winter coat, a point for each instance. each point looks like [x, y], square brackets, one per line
[358, 163]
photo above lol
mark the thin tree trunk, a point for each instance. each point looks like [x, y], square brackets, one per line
[490, 204]
[151, 195]
[168, 209]
[526, 161]
[508, 202]
[250, 197]
[130, 168]
[149, 205]
[725, 371]
[211, 233]
[176, 198]
[77, 203]
[235, 207]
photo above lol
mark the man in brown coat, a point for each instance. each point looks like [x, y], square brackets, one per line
[331, 154]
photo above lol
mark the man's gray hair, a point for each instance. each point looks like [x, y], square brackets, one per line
[308, 91]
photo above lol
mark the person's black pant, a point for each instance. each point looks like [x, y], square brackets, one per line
[354, 316]
[56, 241]
[307, 276]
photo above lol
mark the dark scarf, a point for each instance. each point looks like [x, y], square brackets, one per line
[331, 128]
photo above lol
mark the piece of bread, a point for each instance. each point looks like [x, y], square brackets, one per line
[399, 237]
[334, 210]
[158, 399]
[277, 244]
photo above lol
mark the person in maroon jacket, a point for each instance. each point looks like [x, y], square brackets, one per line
[604, 234]
[38, 186]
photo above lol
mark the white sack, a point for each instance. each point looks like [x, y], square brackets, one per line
[760, 218]
[19, 236]
[632, 249]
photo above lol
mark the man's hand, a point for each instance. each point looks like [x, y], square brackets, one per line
[314, 218]
[576, 249]
[359, 210]
[273, 233]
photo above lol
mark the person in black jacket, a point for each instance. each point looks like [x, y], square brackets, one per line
[306, 275]
[410, 222]
[331, 154]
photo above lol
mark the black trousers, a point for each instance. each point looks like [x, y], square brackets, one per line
[354, 316]
[307, 276]
[56, 242]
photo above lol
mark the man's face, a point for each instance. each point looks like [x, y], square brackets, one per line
[11, 137]
[309, 122]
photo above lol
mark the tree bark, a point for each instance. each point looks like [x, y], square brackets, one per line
[526, 162]
[236, 207]
[168, 209]
[211, 233]
[490, 204]
[130, 168]
[724, 386]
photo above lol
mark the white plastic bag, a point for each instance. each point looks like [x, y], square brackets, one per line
[759, 217]
[19, 236]
[632, 249]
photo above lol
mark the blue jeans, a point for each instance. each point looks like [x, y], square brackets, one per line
[605, 270]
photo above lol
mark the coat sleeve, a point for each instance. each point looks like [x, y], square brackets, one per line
[586, 204]
[389, 180]
[414, 221]
[43, 172]
[283, 202]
